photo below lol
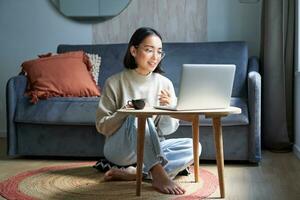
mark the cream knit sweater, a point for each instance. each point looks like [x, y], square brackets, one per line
[127, 85]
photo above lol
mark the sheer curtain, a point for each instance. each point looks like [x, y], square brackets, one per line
[277, 48]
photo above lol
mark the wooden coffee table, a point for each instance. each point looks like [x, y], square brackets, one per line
[193, 117]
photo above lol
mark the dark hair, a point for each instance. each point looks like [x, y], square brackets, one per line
[138, 36]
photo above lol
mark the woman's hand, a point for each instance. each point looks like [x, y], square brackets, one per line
[164, 97]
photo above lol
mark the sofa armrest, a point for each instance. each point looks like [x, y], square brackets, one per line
[254, 103]
[15, 88]
[253, 64]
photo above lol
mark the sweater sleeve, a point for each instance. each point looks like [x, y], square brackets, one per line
[107, 119]
[166, 124]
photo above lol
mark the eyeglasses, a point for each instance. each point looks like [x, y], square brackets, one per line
[150, 51]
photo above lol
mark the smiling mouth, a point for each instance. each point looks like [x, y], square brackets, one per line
[152, 64]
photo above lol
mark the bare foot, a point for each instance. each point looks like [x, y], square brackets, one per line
[163, 183]
[115, 174]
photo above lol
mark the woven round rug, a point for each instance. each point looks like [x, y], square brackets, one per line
[81, 181]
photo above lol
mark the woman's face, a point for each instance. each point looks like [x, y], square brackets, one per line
[147, 54]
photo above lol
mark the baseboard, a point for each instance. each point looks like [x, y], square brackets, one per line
[297, 151]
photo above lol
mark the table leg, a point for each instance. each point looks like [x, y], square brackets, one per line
[219, 152]
[140, 152]
[195, 125]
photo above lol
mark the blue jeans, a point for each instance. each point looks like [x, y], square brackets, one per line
[173, 154]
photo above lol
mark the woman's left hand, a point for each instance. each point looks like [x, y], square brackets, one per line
[164, 97]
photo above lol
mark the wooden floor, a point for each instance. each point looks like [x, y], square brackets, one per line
[277, 176]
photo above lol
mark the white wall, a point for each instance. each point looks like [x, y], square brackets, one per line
[29, 28]
[297, 84]
[230, 20]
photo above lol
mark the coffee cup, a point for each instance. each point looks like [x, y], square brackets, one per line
[137, 104]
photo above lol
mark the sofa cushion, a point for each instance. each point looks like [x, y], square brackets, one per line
[58, 110]
[176, 55]
[82, 111]
[66, 75]
[231, 120]
[236, 53]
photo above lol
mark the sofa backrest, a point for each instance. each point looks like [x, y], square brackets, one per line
[176, 54]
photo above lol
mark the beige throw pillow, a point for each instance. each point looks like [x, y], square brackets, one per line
[95, 60]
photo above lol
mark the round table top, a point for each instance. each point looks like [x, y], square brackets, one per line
[154, 111]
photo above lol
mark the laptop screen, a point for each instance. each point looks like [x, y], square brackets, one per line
[205, 86]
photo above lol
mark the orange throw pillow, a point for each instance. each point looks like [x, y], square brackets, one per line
[65, 75]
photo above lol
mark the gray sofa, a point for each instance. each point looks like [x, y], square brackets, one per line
[65, 126]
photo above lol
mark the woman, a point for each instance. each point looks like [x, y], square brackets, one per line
[163, 159]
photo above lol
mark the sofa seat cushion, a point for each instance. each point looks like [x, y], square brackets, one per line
[231, 120]
[82, 111]
[58, 110]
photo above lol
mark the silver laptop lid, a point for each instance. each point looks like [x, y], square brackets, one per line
[205, 86]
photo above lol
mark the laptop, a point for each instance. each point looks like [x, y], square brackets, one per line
[204, 86]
